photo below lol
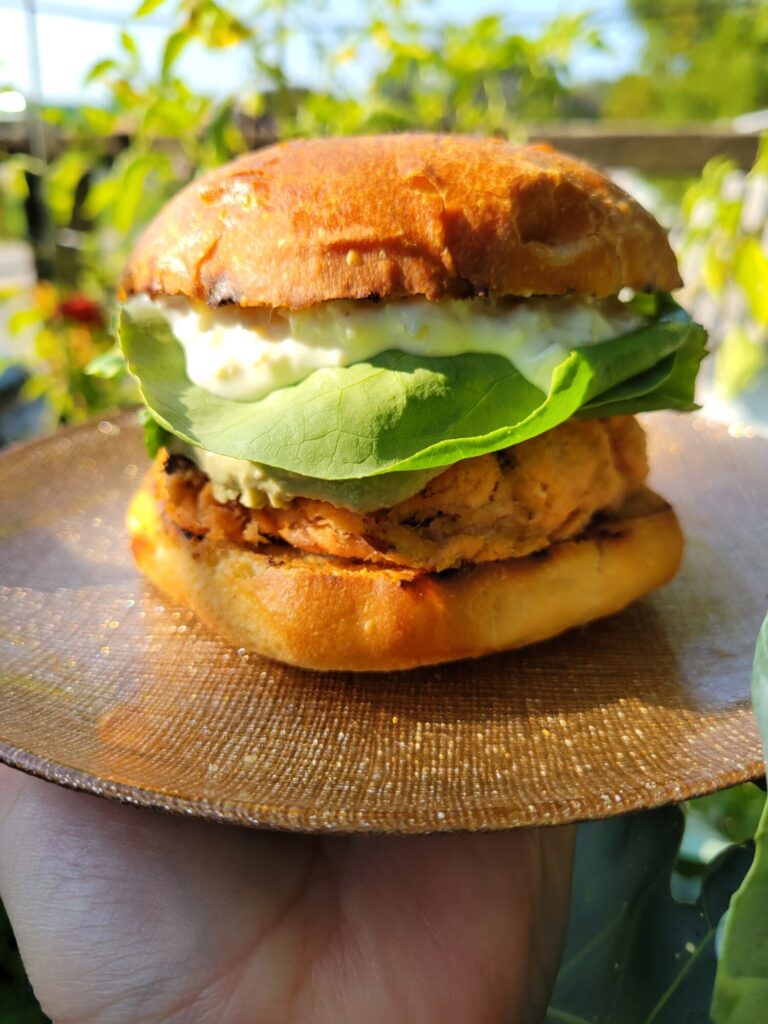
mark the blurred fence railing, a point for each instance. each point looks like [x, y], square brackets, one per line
[649, 148]
[645, 147]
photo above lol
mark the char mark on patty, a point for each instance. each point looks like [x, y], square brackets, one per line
[178, 464]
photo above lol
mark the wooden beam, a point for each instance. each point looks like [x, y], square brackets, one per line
[649, 149]
[652, 150]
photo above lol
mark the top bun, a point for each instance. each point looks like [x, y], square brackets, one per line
[397, 215]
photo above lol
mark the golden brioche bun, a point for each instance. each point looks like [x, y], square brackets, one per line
[325, 613]
[391, 216]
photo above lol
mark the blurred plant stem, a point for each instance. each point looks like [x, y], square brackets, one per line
[41, 234]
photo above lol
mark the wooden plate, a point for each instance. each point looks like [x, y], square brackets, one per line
[106, 688]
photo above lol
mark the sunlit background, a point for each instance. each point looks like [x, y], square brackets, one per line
[106, 109]
[74, 36]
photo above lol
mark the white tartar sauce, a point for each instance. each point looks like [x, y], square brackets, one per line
[244, 354]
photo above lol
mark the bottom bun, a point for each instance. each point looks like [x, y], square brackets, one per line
[327, 613]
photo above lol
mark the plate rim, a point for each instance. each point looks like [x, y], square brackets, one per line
[236, 813]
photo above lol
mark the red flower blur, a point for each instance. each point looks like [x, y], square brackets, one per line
[81, 309]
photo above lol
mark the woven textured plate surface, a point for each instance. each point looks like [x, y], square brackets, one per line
[105, 687]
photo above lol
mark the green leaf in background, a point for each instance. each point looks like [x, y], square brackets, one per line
[108, 365]
[173, 48]
[147, 7]
[722, 247]
[22, 319]
[751, 269]
[712, 824]
[215, 26]
[738, 361]
[98, 122]
[634, 954]
[130, 178]
[399, 411]
[102, 196]
[131, 190]
[741, 985]
[99, 69]
[128, 43]
[64, 176]
[223, 136]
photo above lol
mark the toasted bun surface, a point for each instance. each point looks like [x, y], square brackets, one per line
[399, 215]
[326, 613]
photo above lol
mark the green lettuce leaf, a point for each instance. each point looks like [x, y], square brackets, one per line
[403, 412]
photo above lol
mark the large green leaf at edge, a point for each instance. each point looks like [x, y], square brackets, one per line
[403, 412]
[741, 986]
[634, 954]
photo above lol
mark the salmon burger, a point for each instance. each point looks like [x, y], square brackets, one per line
[391, 386]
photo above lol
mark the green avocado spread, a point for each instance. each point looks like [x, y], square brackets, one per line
[255, 486]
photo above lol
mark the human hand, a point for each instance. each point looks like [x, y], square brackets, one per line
[128, 916]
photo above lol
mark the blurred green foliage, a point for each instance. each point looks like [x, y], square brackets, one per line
[478, 77]
[635, 953]
[713, 823]
[122, 160]
[68, 332]
[13, 192]
[399, 68]
[724, 258]
[741, 984]
[701, 61]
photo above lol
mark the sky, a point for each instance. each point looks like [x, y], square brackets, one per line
[74, 34]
